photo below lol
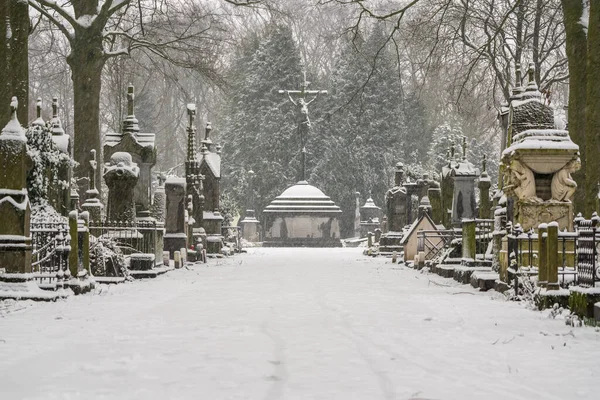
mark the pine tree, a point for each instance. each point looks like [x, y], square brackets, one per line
[259, 132]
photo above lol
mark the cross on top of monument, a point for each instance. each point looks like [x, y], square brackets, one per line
[303, 120]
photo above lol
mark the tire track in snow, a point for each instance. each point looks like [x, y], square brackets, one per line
[280, 375]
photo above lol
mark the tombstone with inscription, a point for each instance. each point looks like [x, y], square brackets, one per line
[175, 216]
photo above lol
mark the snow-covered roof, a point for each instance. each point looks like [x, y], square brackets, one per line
[302, 198]
[213, 160]
[370, 204]
[416, 224]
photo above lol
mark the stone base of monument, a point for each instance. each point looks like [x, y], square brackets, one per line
[84, 283]
[484, 280]
[463, 274]
[23, 287]
[390, 243]
[174, 242]
[531, 214]
[142, 262]
[214, 244]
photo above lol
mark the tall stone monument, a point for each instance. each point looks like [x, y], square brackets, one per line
[538, 163]
[176, 236]
[250, 224]
[141, 147]
[60, 193]
[302, 215]
[397, 204]
[370, 216]
[210, 169]
[16, 280]
[464, 175]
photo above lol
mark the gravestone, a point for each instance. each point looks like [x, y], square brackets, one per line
[210, 169]
[16, 280]
[176, 215]
[121, 175]
[396, 201]
[141, 147]
[397, 206]
[484, 184]
[463, 175]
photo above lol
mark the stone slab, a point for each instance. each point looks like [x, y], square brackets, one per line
[484, 280]
[463, 274]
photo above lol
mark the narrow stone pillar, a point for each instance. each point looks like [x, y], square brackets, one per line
[469, 243]
[552, 256]
[74, 253]
[484, 185]
[542, 255]
[92, 203]
[84, 242]
[369, 239]
[177, 259]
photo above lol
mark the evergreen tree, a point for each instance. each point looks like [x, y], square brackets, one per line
[259, 130]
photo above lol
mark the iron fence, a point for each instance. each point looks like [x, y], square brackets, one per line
[484, 229]
[50, 255]
[433, 242]
[588, 272]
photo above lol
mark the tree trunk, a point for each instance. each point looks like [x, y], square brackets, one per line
[592, 113]
[86, 61]
[5, 92]
[577, 56]
[19, 61]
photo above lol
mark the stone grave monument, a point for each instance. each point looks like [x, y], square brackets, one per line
[210, 169]
[538, 163]
[121, 175]
[141, 147]
[16, 280]
[302, 215]
[250, 225]
[370, 216]
[176, 216]
[397, 204]
[60, 193]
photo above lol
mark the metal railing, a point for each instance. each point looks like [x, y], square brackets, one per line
[433, 242]
[50, 255]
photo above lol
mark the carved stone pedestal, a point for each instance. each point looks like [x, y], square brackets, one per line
[531, 214]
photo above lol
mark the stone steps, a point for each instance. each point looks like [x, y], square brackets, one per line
[484, 280]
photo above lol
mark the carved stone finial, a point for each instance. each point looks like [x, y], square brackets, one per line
[38, 107]
[484, 163]
[219, 147]
[13, 128]
[54, 107]
[130, 123]
[130, 99]
[452, 150]
[518, 75]
[464, 148]
[191, 111]
[207, 131]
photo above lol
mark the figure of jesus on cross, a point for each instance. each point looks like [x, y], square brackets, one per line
[304, 125]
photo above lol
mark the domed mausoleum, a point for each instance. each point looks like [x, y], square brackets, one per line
[302, 216]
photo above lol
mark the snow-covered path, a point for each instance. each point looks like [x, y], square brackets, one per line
[293, 324]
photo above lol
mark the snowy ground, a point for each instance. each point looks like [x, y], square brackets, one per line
[293, 324]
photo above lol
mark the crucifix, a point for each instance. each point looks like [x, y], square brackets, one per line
[301, 101]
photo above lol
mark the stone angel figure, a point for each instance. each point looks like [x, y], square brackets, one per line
[563, 186]
[522, 181]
